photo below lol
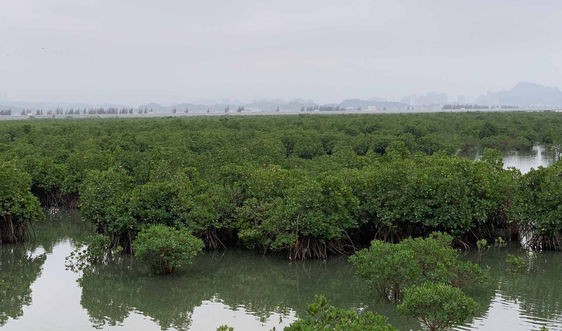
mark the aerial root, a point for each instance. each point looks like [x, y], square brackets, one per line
[308, 247]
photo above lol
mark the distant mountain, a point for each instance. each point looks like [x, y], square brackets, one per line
[521, 95]
[524, 94]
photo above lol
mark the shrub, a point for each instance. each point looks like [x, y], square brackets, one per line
[500, 242]
[391, 267]
[18, 207]
[322, 316]
[482, 244]
[165, 248]
[419, 195]
[103, 203]
[516, 263]
[537, 207]
[437, 306]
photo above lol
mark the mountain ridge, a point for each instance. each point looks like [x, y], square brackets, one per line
[522, 94]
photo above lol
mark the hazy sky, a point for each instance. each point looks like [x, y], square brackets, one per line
[137, 51]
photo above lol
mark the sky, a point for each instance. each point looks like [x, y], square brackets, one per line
[138, 51]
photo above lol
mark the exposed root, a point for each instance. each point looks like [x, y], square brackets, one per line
[463, 244]
[307, 247]
[540, 242]
[212, 239]
[55, 198]
[12, 232]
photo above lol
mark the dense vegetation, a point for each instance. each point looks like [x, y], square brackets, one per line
[306, 185]
[390, 268]
[538, 207]
[18, 207]
[165, 248]
[425, 274]
[323, 316]
[437, 306]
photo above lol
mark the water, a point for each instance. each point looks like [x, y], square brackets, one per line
[240, 288]
[523, 160]
[523, 301]
[537, 157]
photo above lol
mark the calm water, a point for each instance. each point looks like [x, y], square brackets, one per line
[524, 160]
[527, 160]
[243, 289]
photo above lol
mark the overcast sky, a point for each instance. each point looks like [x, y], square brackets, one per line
[138, 51]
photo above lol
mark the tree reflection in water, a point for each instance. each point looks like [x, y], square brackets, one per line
[19, 268]
[262, 285]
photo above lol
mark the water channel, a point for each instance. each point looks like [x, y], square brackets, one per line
[243, 289]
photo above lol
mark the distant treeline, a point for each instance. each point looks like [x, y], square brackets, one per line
[474, 106]
[307, 185]
[84, 111]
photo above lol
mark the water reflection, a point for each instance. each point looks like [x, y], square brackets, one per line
[537, 157]
[508, 314]
[521, 301]
[538, 291]
[240, 288]
[523, 160]
[19, 268]
[205, 317]
[66, 225]
[268, 288]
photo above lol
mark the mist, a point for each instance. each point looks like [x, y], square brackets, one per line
[136, 52]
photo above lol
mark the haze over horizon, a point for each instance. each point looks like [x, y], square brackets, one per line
[136, 52]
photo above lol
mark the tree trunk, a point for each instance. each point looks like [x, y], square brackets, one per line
[7, 230]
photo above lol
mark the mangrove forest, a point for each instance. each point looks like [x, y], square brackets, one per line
[401, 195]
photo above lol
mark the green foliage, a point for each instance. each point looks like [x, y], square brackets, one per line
[323, 316]
[308, 186]
[160, 202]
[437, 306]
[18, 206]
[500, 242]
[119, 209]
[389, 268]
[103, 202]
[516, 263]
[225, 328]
[416, 196]
[482, 244]
[492, 157]
[301, 213]
[165, 248]
[538, 207]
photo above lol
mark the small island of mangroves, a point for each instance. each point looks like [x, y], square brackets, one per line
[302, 222]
